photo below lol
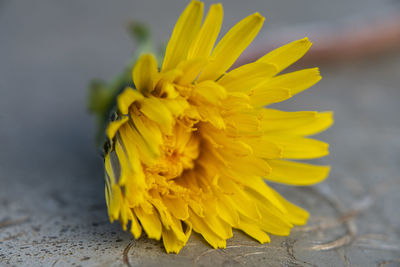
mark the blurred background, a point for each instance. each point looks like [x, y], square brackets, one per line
[52, 208]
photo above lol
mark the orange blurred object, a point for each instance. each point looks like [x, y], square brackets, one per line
[342, 45]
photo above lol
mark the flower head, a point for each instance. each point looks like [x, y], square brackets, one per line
[191, 146]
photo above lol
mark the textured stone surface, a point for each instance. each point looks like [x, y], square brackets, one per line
[52, 210]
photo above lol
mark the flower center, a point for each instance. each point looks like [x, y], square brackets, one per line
[178, 152]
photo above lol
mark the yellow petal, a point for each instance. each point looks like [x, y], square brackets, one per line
[295, 81]
[135, 143]
[125, 167]
[186, 28]
[220, 227]
[254, 231]
[288, 54]
[238, 199]
[264, 95]
[136, 229]
[110, 177]
[273, 220]
[230, 145]
[155, 110]
[176, 227]
[115, 203]
[264, 148]
[296, 173]
[210, 91]
[171, 243]
[169, 222]
[196, 208]
[131, 172]
[321, 122]
[260, 190]
[165, 89]
[212, 114]
[132, 145]
[127, 98]
[144, 73]
[124, 216]
[110, 181]
[208, 233]
[227, 212]
[295, 123]
[169, 75]
[253, 165]
[114, 126]
[190, 69]
[177, 206]
[149, 131]
[244, 123]
[247, 76]
[236, 102]
[231, 46]
[176, 106]
[205, 39]
[299, 147]
[295, 214]
[150, 222]
[276, 120]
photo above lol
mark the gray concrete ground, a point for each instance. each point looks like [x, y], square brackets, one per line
[52, 208]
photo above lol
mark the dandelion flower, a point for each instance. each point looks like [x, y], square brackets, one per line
[192, 145]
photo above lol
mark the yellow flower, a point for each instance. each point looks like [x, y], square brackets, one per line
[191, 146]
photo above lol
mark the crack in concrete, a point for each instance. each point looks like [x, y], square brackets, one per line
[125, 258]
[289, 244]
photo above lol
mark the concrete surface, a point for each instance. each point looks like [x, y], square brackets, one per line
[52, 208]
